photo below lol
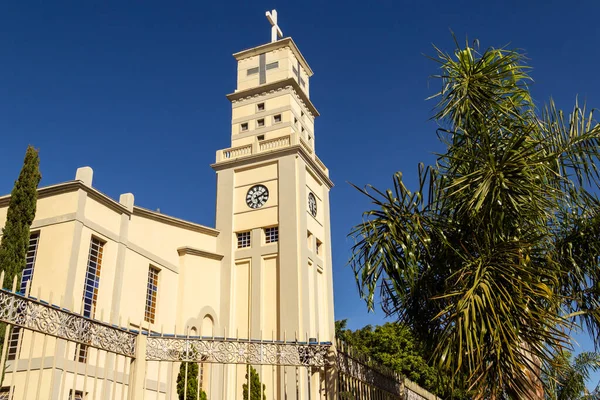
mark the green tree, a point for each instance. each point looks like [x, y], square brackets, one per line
[189, 389]
[567, 377]
[494, 258]
[256, 387]
[20, 215]
[394, 346]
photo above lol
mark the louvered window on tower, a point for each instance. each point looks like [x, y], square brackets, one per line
[272, 234]
[13, 344]
[91, 286]
[151, 294]
[273, 65]
[243, 239]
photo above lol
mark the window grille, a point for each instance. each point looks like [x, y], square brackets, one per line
[13, 344]
[272, 234]
[243, 239]
[91, 285]
[5, 393]
[151, 292]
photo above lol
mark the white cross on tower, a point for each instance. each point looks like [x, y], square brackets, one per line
[275, 30]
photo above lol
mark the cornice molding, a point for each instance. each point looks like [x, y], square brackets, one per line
[197, 252]
[73, 186]
[159, 217]
[272, 87]
[269, 155]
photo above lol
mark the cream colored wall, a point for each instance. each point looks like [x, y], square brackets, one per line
[49, 207]
[133, 299]
[240, 299]
[61, 204]
[199, 290]
[163, 240]
[270, 297]
[52, 260]
[100, 214]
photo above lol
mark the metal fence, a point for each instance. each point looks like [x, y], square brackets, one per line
[50, 352]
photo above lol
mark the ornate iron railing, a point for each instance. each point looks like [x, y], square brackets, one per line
[38, 316]
[236, 351]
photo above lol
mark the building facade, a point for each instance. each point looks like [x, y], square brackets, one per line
[264, 272]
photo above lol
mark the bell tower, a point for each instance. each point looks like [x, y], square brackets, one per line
[273, 202]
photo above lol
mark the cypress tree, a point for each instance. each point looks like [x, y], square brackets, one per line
[192, 383]
[256, 387]
[20, 215]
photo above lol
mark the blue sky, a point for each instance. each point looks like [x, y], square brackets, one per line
[136, 90]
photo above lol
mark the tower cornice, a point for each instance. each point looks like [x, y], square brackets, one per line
[274, 154]
[271, 87]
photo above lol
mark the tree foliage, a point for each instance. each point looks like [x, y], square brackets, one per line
[394, 346]
[20, 215]
[566, 379]
[256, 387]
[494, 257]
[189, 389]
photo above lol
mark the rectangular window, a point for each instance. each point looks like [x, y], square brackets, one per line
[309, 240]
[319, 247]
[294, 70]
[277, 118]
[91, 286]
[243, 239]
[260, 107]
[13, 343]
[273, 65]
[5, 393]
[302, 82]
[151, 292]
[295, 121]
[272, 234]
[260, 122]
[78, 395]
[252, 71]
[243, 127]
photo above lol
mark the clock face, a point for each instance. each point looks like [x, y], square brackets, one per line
[257, 196]
[312, 204]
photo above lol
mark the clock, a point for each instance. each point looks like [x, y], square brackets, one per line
[312, 204]
[257, 196]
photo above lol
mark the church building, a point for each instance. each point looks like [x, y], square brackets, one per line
[264, 272]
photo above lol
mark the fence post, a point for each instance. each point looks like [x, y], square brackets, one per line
[138, 368]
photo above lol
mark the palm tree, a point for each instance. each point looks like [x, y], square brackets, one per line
[494, 258]
[566, 379]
